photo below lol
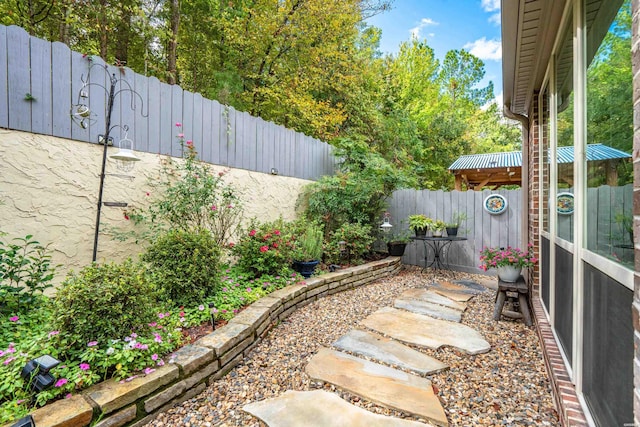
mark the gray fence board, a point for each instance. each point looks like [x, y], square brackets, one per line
[18, 82]
[4, 66]
[155, 110]
[40, 86]
[141, 118]
[167, 128]
[61, 90]
[79, 69]
[177, 95]
[199, 122]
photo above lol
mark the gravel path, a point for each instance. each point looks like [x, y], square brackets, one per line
[507, 386]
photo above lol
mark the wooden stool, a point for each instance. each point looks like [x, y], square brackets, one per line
[520, 287]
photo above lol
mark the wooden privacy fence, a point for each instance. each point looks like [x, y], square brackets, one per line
[481, 228]
[40, 81]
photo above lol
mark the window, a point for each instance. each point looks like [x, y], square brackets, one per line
[609, 131]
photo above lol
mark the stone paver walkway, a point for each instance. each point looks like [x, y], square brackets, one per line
[422, 317]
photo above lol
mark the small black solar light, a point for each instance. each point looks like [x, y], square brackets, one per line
[36, 373]
[212, 310]
[25, 422]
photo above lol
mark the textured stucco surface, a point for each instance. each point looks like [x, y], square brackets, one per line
[49, 188]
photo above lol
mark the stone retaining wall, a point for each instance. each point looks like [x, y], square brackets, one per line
[135, 403]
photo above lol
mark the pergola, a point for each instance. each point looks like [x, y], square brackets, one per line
[494, 170]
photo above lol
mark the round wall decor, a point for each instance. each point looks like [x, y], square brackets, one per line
[564, 203]
[495, 204]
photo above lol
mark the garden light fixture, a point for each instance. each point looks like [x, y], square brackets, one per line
[83, 116]
[36, 373]
[386, 224]
[212, 311]
[25, 422]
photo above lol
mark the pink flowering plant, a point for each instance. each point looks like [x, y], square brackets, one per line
[500, 257]
[186, 195]
[264, 248]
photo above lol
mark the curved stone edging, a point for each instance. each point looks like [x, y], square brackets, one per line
[135, 403]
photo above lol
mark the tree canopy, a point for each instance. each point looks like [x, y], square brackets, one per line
[310, 65]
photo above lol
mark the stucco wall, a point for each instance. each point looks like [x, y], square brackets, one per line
[49, 188]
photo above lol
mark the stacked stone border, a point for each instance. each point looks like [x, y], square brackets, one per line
[564, 393]
[137, 402]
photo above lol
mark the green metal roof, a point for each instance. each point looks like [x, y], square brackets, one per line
[514, 158]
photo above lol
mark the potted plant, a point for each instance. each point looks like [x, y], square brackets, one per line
[437, 227]
[308, 250]
[457, 218]
[509, 262]
[420, 223]
[397, 243]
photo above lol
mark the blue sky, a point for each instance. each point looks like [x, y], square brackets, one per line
[473, 25]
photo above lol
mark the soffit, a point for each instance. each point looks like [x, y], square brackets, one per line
[529, 28]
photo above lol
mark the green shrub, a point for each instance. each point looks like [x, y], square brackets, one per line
[185, 265]
[350, 242]
[103, 302]
[309, 239]
[25, 272]
[265, 248]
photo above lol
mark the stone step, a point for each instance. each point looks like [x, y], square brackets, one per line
[432, 297]
[378, 383]
[445, 285]
[388, 351]
[479, 288]
[426, 331]
[428, 309]
[456, 296]
[319, 408]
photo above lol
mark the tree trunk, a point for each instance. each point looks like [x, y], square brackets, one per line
[173, 43]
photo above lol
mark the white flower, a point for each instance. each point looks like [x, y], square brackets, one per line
[110, 350]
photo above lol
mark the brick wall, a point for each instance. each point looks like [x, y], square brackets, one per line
[533, 233]
[635, 55]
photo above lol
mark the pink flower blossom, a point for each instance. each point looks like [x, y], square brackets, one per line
[160, 362]
[181, 135]
[9, 360]
[161, 315]
[14, 318]
[61, 382]
[264, 248]
[92, 343]
[189, 142]
[157, 338]
[252, 233]
[147, 371]
[178, 124]
[214, 208]
[276, 232]
[201, 307]
[67, 396]
[153, 324]
[154, 356]
[52, 333]
[84, 366]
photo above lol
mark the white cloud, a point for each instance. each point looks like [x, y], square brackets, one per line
[495, 19]
[424, 22]
[490, 5]
[485, 49]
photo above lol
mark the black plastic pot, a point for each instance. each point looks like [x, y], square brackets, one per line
[396, 248]
[452, 231]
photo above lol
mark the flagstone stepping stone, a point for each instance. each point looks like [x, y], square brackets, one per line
[433, 297]
[471, 284]
[388, 351]
[378, 383]
[319, 408]
[456, 296]
[426, 331]
[429, 309]
[456, 287]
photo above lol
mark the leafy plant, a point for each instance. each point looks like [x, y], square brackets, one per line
[25, 271]
[457, 218]
[103, 302]
[185, 265]
[350, 242]
[419, 221]
[308, 243]
[189, 196]
[265, 248]
[438, 225]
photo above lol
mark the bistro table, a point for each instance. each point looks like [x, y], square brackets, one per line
[439, 246]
